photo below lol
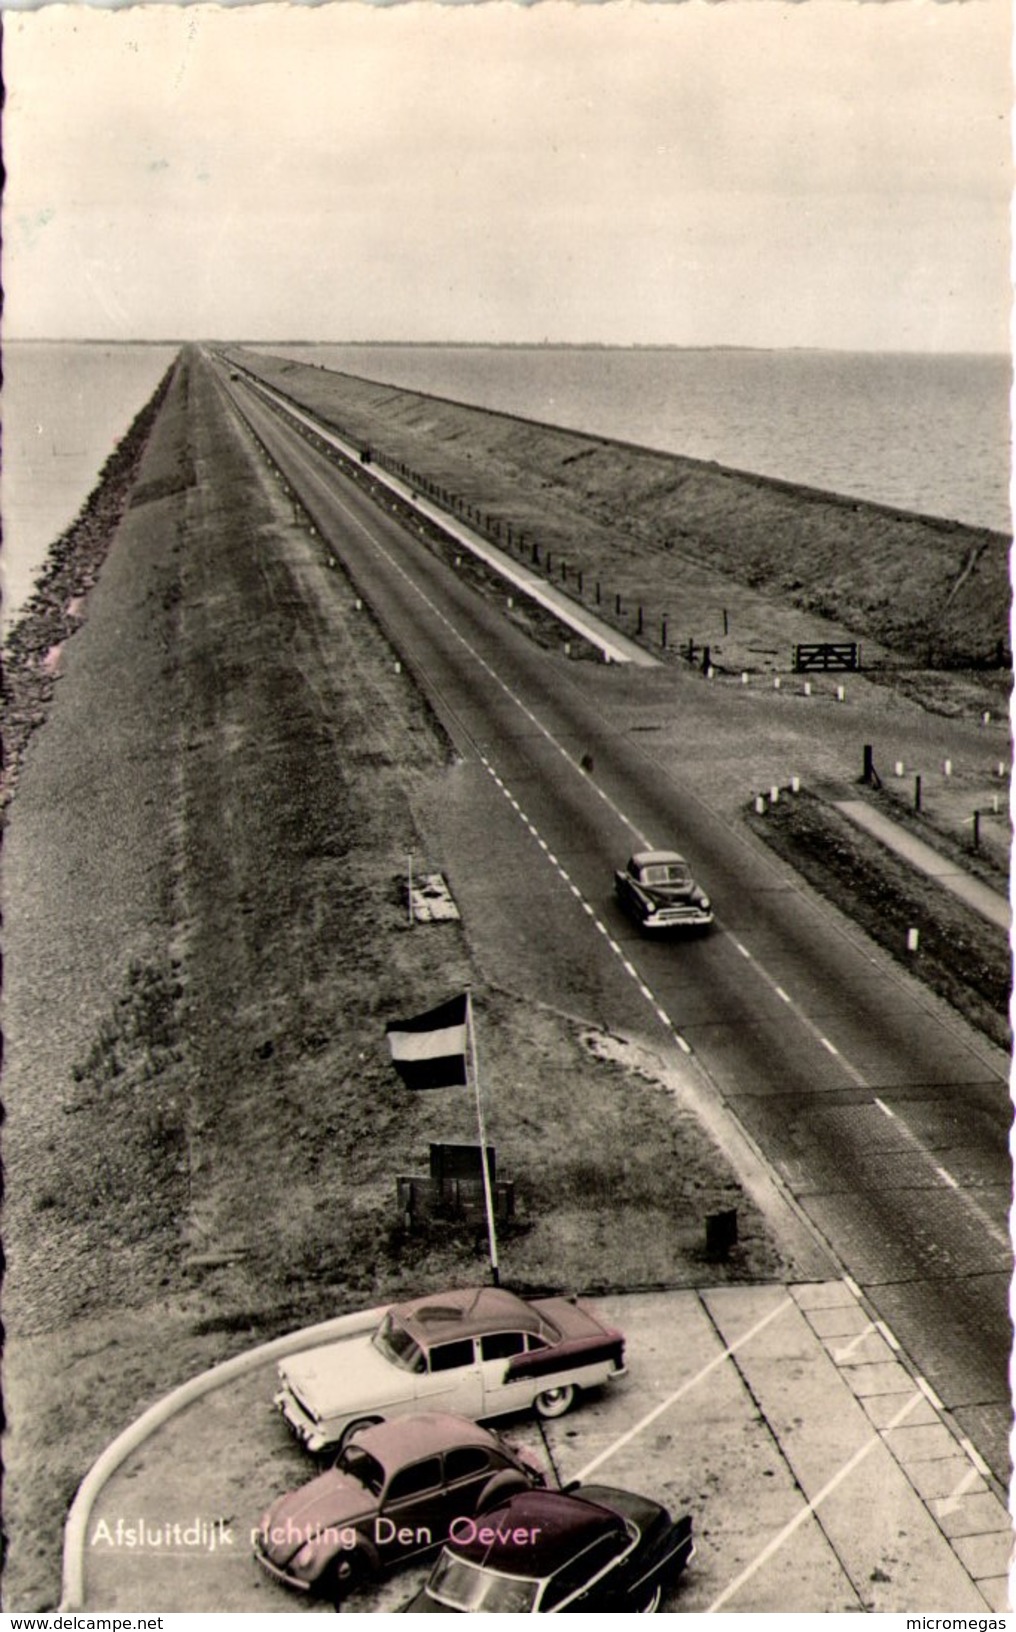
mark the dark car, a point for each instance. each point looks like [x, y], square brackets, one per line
[545, 1552]
[394, 1492]
[657, 890]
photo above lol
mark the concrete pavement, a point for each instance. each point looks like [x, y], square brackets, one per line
[927, 860]
[820, 1474]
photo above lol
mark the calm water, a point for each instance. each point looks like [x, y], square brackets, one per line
[65, 407]
[928, 433]
[923, 432]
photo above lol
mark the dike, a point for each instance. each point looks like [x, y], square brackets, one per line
[56, 608]
[933, 591]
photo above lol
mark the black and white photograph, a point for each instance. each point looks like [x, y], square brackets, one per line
[507, 654]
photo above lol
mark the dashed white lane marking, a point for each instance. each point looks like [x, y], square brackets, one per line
[810, 1507]
[999, 1236]
[781, 993]
[685, 1388]
[629, 968]
[931, 1397]
[976, 1458]
[885, 1109]
[947, 1178]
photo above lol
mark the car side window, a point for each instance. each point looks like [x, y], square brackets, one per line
[579, 1572]
[450, 1356]
[534, 1344]
[466, 1462]
[502, 1345]
[415, 1480]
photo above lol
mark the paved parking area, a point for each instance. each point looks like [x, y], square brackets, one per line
[819, 1474]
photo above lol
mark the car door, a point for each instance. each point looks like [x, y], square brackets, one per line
[502, 1394]
[452, 1380]
[468, 1469]
[410, 1516]
[592, 1582]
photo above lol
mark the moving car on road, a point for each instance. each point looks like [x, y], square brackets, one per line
[393, 1493]
[545, 1552]
[657, 890]
[480, 1352]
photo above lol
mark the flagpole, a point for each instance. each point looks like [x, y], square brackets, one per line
[488, 1196]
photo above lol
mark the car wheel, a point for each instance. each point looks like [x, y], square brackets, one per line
[345, 1573]
[554, 1402]
[354, 1428]
[499, 1488]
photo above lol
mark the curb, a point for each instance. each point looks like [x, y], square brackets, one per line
[73, 1584]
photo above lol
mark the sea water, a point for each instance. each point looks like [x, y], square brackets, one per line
[65, 407]
[924, 432]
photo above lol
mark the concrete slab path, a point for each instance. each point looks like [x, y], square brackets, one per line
[980, 896]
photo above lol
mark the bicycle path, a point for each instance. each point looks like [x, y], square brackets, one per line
[927, 860]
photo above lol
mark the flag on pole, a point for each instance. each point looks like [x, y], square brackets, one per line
[430, 1050]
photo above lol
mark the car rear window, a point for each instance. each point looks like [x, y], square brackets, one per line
[502, 1345]
[465, 1461]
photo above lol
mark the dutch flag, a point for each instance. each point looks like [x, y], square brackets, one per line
[430, 1051]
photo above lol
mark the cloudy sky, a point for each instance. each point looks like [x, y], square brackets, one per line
[828, 173]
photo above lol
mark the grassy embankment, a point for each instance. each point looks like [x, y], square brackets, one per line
[928, 601]
[687, 539]
[241, 1123]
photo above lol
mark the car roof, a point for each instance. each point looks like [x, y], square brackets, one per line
[467, 1312]
[420, 1433]
[656, 858]
[559, 1526]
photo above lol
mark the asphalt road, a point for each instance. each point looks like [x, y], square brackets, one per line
[885, 1117]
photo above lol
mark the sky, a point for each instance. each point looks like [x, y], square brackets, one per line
[829, 173]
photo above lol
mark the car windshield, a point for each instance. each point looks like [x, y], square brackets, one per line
[393, 1341]
[670, 872]
[362, 1467]
[464, 1586]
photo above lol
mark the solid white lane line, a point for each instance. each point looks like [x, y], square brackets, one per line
[806, 1512]
[685, 1388]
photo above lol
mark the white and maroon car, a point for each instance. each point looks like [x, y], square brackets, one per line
[480, 1352]
[657, 890]
[395, 1492]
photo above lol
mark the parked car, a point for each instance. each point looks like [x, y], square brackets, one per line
[657, 890]
[591, 1548]
[392, 1494]
[480, 1352]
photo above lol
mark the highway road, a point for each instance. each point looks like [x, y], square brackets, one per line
[884, 1116]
